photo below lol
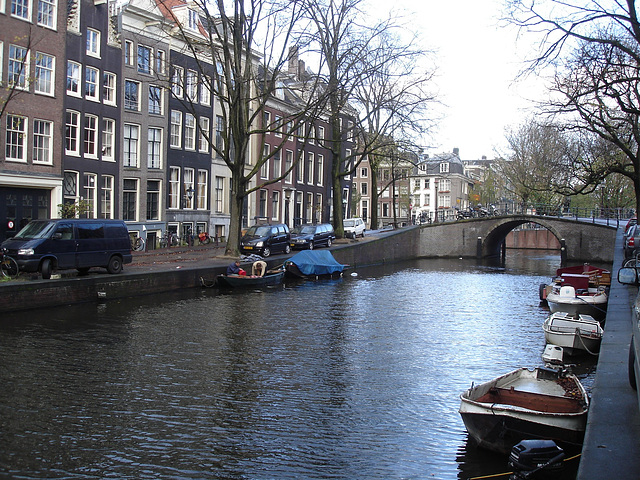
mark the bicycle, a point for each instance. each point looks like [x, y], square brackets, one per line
[634, 261]
[169, 239]
[138, 244]
[8, 265]
[204, 238]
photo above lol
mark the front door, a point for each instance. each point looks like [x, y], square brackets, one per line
[18, 206]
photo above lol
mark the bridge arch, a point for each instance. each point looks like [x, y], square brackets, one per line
[495, 239]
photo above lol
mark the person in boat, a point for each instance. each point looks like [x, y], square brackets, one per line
[258, 268]
[234, 269]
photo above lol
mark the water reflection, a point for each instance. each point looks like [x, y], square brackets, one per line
[351, 378]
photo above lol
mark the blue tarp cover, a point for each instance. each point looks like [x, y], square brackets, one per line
[316, 262]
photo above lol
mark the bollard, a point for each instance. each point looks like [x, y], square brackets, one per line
[479, 248]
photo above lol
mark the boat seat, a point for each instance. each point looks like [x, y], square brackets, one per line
[567, 291]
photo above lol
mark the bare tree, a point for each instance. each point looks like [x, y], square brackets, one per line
[595, 48]
[369, 72]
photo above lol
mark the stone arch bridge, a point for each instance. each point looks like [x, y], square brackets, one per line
[580, 241]
[484, 237]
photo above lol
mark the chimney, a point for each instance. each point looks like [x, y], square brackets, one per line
[293, 61]
[456, 151]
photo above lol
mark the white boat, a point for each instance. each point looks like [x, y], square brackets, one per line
[574, 333]
[578, 290]
[526, 404]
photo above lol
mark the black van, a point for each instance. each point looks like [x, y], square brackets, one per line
[47, 245]
[266, 239]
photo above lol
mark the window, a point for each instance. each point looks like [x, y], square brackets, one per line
[278, 126]
[192, 86]
[69, 186]
[174, 187]
[300, 169]
[72, 133]
[91, 136]
[219, 194]
[364, 172]
[155, 100]
[363, 189]
[106, 197]
[93, 42]
[73, 78]
[109, 88]
[153, 200]
[202, 189]
[189, 200]
[189, 132]
[266, 118]
[264, 169]
[45, 67]
[193, 20]
[161, 62]
[18, 71]
[47, 13]
[310, 162]
[108, 138]
[131, 97]
[90, 194]
[288, 162]
[176, 129]
[320, 170]
[16, 138]
[130, 147]
[309, 209]
[20, 8]
[129, 199]
[177, 81]
[262, 203]
[203, 135]
[319, 207]
[144, 59]
[277, 163]
[205, 90]
[320, 133]
[91, 76]
[154, 147]
[219, 133]
[444, 167]
[275, 205]
[42, 141]
[128, 52]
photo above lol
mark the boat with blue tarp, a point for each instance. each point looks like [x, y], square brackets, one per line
[313, 264]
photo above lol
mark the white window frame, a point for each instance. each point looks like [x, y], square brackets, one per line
[24, 12]
[18, 141]
[47, 10]
[205, 90]
[160, 61]
[92, 78]
[176, 129]
[154, 148]
[203, 140]
[18, 68]
[310, 166]
[142, 68]
[90, 136]
[177, 82]
[75, 75]
[127, 96]
[90, 186]
[189, 132]
[320, 170]
[42, 142]
[159, 103]
[93, 42]
[106, 196]
[202, 189]
[174, 188]
[264, 169]
[191, 86]
[108, 139]
[128, 53]
[131, 156]
[45, 74]
[189, 183]
[72, 133]
[109, 88]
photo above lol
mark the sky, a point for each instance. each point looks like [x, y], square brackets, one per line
[478, 62]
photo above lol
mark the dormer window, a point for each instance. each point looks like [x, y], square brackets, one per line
[444, 167]
[193, 20]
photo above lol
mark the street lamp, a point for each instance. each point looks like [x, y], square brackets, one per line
[435, 185]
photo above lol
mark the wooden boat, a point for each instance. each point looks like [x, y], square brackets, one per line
[581, 289]
[526, 404]
[313, 264]
[574, 333]
[271, 277]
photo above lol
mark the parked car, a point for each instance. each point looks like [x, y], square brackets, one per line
[311, 236]
[47, 245]
[631, 241]
[266, 239]
[632, 221]
[354, 227]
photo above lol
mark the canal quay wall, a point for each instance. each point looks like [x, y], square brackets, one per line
[612, 441]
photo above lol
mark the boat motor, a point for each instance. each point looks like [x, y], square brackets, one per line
[531, 459]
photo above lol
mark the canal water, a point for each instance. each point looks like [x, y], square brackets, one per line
[356, 378]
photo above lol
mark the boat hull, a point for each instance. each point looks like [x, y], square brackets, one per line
[241, 281]
[593, 305]
[575, 334]
[525, 404]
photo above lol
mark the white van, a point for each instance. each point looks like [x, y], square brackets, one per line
[354, 227]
